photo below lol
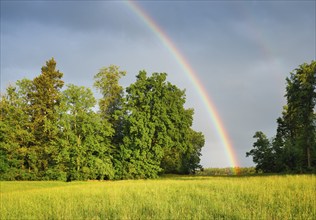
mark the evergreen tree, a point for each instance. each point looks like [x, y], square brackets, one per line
[44, 100]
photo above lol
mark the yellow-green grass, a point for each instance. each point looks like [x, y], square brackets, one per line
[260, 197]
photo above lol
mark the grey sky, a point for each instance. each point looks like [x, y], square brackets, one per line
[241, 50]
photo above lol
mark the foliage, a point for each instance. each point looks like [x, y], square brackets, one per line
[85, 137]
[47, 133]
[157, 134]
[181, 197]
[293, 149]
[262, 153]
[107, 82]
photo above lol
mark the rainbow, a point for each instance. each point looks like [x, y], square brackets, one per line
[193, 76]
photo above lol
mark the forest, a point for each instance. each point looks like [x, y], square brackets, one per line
[293, 148]
[49, 131]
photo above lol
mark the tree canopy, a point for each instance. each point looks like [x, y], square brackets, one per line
[52, 132]
[293, 149]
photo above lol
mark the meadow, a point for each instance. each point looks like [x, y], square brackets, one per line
[172, 197]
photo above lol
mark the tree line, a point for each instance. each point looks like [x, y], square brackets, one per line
[52, 132]
[293, 148]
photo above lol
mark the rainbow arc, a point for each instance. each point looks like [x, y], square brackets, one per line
[193, 76]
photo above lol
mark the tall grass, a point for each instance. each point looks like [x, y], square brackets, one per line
[266, 197]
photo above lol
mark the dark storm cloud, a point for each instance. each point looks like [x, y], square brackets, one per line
[77, 16]
[67, 14]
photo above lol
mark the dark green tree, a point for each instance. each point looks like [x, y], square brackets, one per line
[293, 149]
[262, 153]
[300, 116]
[142, 147]
[191, 158]
[157, 127]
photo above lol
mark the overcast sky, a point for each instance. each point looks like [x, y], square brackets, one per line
[242, 51]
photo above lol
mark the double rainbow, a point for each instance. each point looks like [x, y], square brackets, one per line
[193, 76]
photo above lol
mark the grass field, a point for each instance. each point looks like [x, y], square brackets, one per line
[260, 197]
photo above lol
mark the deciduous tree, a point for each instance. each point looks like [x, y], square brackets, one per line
[294, 146]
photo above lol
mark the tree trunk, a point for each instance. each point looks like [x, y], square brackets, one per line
[308, 158]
